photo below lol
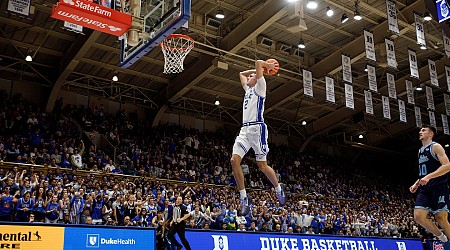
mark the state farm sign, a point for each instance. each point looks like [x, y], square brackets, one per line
[92, 16]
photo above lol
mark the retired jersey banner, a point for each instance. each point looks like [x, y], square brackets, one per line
[414, 68]
[390, 53]
[402, 110]
[349, 101]
[391, 86]
[372, 77]
[346, 69]
[433, 73]
[418, 116]
[386, 107]
[446, 45]
[307, 83]
[432, 119]
[410, 92]
[447, 77]
[329, 82]
[392, 16]
[447, 104]
[430, 99]
[420, 34]
[368, 101]
[445, 124]
[370, 45]
[19, 6]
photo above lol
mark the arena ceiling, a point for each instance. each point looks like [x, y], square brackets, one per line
[85, 63]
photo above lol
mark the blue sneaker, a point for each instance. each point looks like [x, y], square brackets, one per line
[245, 205]
[282, 195]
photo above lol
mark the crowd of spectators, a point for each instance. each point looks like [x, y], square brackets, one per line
[325, 195]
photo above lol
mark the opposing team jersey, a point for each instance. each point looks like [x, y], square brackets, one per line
[428, 163]
[253, 106]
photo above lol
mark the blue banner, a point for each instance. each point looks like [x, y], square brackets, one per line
[223, 240]
[92, 238]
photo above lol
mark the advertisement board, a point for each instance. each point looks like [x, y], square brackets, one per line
[31, 237]
[222, 240]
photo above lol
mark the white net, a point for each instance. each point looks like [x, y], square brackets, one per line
[175, 48]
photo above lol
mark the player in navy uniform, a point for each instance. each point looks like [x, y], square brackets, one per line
[433, 193]
[253, 133]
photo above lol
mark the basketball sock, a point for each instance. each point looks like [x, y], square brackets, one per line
[278, 189]
[243, 193]
[442, 238]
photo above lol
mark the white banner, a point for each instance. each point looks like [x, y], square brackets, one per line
[402, 110]
[372, 76]
[420, 34]
[74, 27]
[390, 53]
[418, 116]
[386, 107]
[370, 45]
[330, 97]
[392, 16]
[445, 124]
[410, 92]
[368, 101]
[432, 119]
[413, 63]
[430, 99]
[307, 83]
[446, 45]
[433, 73]
[346, 69]
[349, 102]
[447, 77]
[391, 86]
[447, 104]
[19, 6]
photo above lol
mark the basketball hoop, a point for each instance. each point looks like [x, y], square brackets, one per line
[175, 48]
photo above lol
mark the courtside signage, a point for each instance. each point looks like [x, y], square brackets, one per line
[31, 237]
[93, 16]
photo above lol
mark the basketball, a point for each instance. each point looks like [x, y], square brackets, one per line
[274, 70]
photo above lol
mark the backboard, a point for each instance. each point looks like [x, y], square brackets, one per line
[158, 19]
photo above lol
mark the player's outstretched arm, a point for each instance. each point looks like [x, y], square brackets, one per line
[260, 65]
[439, 151]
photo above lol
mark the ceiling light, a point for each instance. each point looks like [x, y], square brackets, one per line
[344, 18]
[303, 123]
[115, 78]
[419, 88]
[361, 136]
[301, 44]
[217, 103]
[446, 145]
[357, 16]
[427, 16]
[330, 12]
[220, 14]
[423, 47]
[292, 1]
[29, 58]
[366, 69]
[312, 4]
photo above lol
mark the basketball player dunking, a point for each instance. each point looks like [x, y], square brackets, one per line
[253, 133]
[433, 195]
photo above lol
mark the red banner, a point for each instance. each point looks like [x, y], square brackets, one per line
[93, 16]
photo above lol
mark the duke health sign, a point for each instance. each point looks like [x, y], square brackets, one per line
[220, 240]
[104, 238]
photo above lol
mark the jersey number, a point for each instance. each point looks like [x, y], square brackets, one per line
[423, 170]
[246, 103]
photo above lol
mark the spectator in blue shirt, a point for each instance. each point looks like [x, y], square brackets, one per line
[52, 210]
[25, 207]
[6, 205]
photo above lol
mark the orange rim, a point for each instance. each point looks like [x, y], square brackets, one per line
[179, 36]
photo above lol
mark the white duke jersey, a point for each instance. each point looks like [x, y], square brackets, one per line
[253, 106]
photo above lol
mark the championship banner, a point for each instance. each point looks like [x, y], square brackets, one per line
[418, 116]
[372, 76]
[307, 83]
[349, 102]
[370, 45]
[329, 82]
[430, 99]
[445, 124]
[447, 104]
[73, 27]
[346, 69]
[413, 63]
[432, 119]
[420, 34]
[410, 92]
[390, 53]
[386, 107]
[392, 16]
[20, 6]
[402, 110]
[391, 86]
[433, 73]
[368, 101]
[447, 77]
[446, 45]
